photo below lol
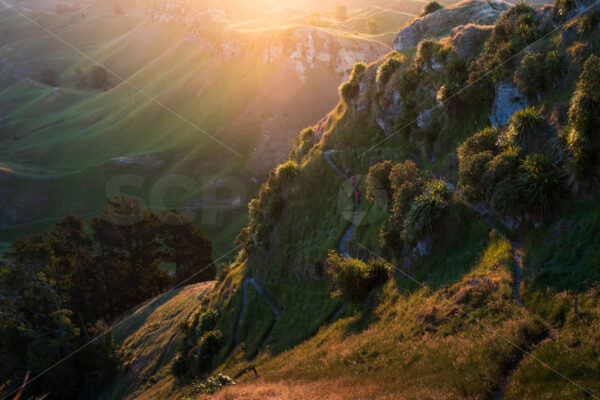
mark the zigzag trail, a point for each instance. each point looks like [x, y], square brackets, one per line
[259, 290]
[342, 247]
[517, 253]
[343, 244]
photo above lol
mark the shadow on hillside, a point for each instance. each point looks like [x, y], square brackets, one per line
[136, 318]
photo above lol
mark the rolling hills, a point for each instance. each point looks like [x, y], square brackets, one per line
[170, 112]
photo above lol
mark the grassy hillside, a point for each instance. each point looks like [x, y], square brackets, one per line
[147, 338]
[459, 332]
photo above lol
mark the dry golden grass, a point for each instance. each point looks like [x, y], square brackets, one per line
[337, 389]
[413, 345]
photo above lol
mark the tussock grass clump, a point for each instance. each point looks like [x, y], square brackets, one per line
[523, 127]
[386, 70]
[543, 184]
[584, 119]
[426, 210]
[303, 143]
[350, 89]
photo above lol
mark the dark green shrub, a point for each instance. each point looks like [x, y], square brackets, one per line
[265, 210]
[287, 171]
[403, 173]
[507, 197]
[543, 184]
[50, 77]
[588, 22]
[200, 344]
[484, 140]
[208, 346]
[406, 184]
[554, 64]
[516, 28]
[353, 279]
[222, 271]
[502, 185]
[471, 171]
[532, 76]
[379, 189]
[582, 140]
[564, 7]
[432, 6]
[426, 210]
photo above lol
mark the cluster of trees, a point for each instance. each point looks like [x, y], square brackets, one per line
[515, 29]
[434, 66]
[539, 72]
[518, 171]
[265, 210]
[504, 168]
[200, 344]
[353, 279]
[58, 288]
[414, 200]
[50, 77]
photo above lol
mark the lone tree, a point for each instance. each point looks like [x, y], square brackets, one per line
[373, 26]
[118, 10]
[341, 13]
[50, 77]
[432, 6]
[188, 249]
[98, 78]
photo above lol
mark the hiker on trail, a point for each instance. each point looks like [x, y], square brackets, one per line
[353, 180]
[357, 195]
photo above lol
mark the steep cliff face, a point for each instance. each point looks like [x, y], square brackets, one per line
[468, 39]
[466, 12]
[508, 99]
[303, 48]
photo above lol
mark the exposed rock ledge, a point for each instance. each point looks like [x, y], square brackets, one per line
[466, 12]
[508, 100]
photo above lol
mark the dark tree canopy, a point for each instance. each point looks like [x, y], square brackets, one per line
[50, 77]
[58, 288]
